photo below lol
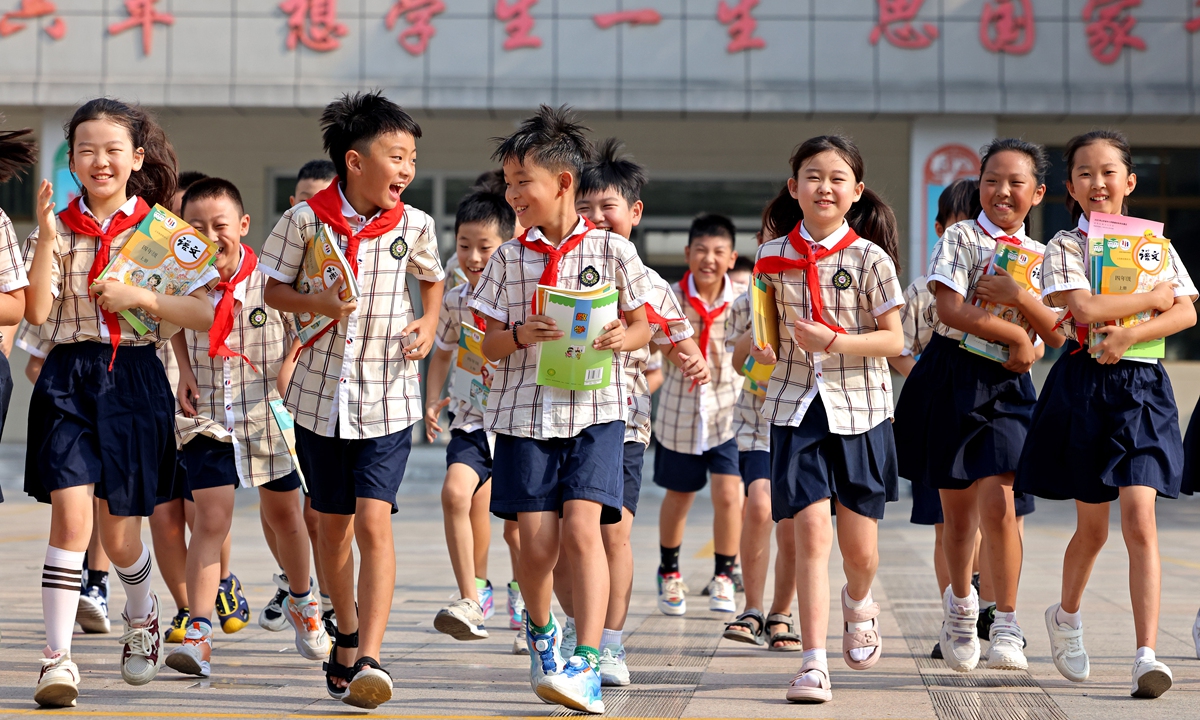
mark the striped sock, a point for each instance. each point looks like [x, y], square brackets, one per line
[136, 581]
[60, 596]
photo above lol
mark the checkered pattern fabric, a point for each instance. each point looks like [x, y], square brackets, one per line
[919, 316]
[638, 362]
[454, 313]
[751, 429]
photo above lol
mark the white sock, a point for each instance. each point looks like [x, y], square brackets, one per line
[818, 656]
[1073, 620]
[61, 575]
[1144, 654]
[985, 604]
[326, 604]
[1010, 618]
[859, 654]
[136, 581]
[610, 637]
[970, 603]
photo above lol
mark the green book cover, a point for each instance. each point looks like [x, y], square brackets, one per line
[571, 363]
[1128, 255]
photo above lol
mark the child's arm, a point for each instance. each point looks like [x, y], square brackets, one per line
[498, 339]
[903, 364]
[886, 341]
[1002, 289]
[287, 368]
[1087, 308]
[188, 387]
[954, 311]
[39, 294]
[741, 350]
[426, 325]
[285, 298]
[686, 356]
[194, 311]
[435, 380]
[1117, 341]
[12, 309]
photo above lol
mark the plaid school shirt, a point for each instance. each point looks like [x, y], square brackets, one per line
[645, 359]
[12, 264]
[517, 405]
[858, 284]
[919, 317]
[694, 420]
[75, 317]
[354, 382]
[751, 429]
[454, 313]
[234, 405]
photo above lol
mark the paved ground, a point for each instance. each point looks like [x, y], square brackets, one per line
[681, 669]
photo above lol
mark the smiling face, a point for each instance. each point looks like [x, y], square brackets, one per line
[1100, 181]
[609, 210]
[103, 157]
[709, 257]
[1008, 189]
[220, 220]
[534, 191]
[825, 188]
[380, 174]
[476, 243]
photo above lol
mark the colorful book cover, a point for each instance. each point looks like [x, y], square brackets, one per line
[571, 363]
[1128, 255]
[1025, 266]
[164, 255]
[473, 374]
[324, 265]
[764, 314]
[287, 426]
[756, 377]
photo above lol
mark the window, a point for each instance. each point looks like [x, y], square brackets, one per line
[17, 196]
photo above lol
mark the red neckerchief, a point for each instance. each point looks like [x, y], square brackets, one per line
[223, 315]
[82, 224]
[555, 255]
[480, 323]
[706, 316]
[804, 263]
[654, 318]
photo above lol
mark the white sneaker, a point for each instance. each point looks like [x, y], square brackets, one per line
[1007, 647]
[92, 611]
[545, 658]
[304, 615]
[576, 687]
[519, 645]
[1150, 679]
[721, 595]
[461, 620]
[959, 638]
[58, 685]
[273, 616]
[570, 638]
[141, 656]
[1066, 647]
[194, 655]
[672, 594]
[613, 671]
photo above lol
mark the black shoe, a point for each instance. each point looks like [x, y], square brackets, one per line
[983, 626]
[936, 653]
[330, 621]
[975, 582]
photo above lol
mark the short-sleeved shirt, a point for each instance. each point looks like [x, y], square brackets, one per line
[12, 264]
[858, 284]
[963, 255]
[1066, 268]
[354, 381]
[638, 362]
[74, 316]
[692, 420]
[751, 429]
[517, 405]
[454, 313]
[919, 316]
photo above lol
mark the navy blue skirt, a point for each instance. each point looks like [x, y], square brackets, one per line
[114, 430]
[1098, 428]
[1191, 455]
[6, 387]
[960, 417]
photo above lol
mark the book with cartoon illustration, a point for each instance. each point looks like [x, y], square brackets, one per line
[473, 374]
[571, 363]
[324, 264]
[164, 255]
[1128, 255]
[1025, 266]
[764, 314]
[287, 426]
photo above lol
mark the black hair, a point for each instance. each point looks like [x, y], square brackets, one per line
[491, 181]
[486, 207]
[188, 178]
[712, 225]
[779, 216]
[317, 170]
[552, 138]
[1036, 154]
[1116, 139]
[871, 218]
[211, 188]
[16, 151]
[743, 262]
[609, 169]
[959, 199]
[158, 179]
[354, 121]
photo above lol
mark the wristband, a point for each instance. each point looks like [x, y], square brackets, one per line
[831, 342]
[516, 341]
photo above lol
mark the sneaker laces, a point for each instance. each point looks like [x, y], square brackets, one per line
[1071, 638]
[674, 588]
[139, 641]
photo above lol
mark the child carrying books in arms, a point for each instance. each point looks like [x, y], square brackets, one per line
[356, 390]
[829, 399]
[982, 405]
[557, 450]
[228, 430]
[101, 420]
[1125, 442]
[16, 151]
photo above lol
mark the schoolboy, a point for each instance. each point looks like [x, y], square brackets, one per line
[228, 433]
[356, 390]
[694, 427]
[557, 451]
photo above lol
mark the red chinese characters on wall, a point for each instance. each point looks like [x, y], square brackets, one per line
[517, 17]
[1007, 26]
[1194, 24]
[627, 17]
[31, 10]
[313, 24]
[742, 25]
[896, 25]
[419, 15]
[1109, 28]
[142, 14]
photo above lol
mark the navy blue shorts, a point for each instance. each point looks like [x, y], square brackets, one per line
[689, 473]
[209, 463]
[927, 506]
[809, 464]
[6, 388]
[113, 430]
[754, 465]
[540, 475]
[1098, 428]
[635, 456]
[471, 449]
[339, 472]
[178, 489]
[961, 417]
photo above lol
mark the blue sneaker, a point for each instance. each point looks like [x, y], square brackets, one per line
[570, 639]
[232, 609]
[544, 657]
[576, 687]
[516, 607]
[487, 599]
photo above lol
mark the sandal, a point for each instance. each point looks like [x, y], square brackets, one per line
[334, 670]
[743, 629]
[863, 638]
[788, 635]
[806, 694]
[371, 686]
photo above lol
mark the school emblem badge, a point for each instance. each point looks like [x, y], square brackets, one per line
[590, 276]
[258, 317]
[841, 279]
[399, 248]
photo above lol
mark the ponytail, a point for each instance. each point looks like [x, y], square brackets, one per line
[873, 219]
[16, 152]
[780, 215]
[158, 179]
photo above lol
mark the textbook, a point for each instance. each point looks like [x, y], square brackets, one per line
[473, 373]
[757, 375]
[324, 264]
[1025, 266]
[1128, 255]
[164, 255]
[571, 363]
[287, 425]
[764, 314]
